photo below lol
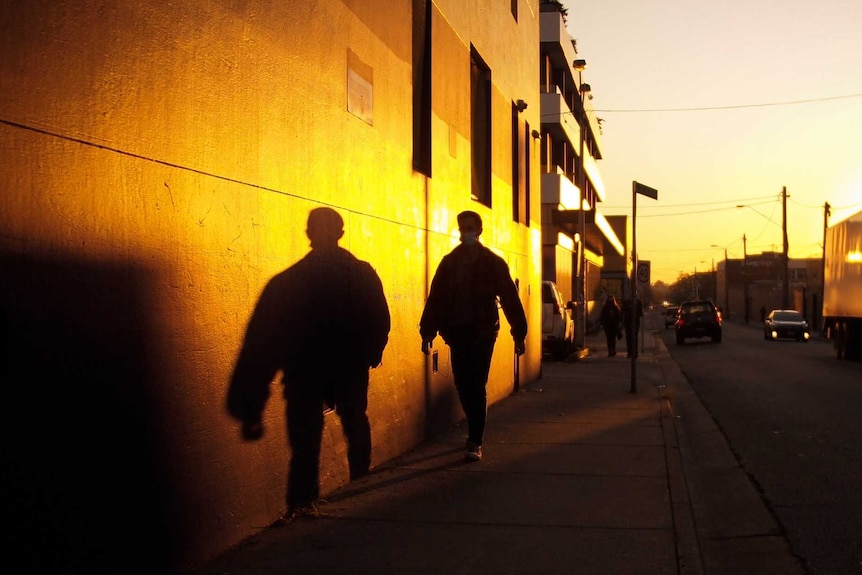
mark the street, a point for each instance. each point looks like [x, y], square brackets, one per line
[790, 413]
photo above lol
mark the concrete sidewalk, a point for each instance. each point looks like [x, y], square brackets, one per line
[579, 475]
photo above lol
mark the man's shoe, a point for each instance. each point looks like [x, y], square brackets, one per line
[309, 511]
[473, 453]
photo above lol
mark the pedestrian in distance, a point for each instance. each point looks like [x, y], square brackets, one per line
[632, 315]
[762, 314]
[297, 328]
[462, 308]
[610, 318]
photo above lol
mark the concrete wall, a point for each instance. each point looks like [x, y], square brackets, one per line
[159, 163]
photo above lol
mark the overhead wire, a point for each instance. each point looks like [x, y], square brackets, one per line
[752, 201]
[732, 107]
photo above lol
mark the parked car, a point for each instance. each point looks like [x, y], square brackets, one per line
[670, 315]
[785, 323]
[698, 319]
[558, 323]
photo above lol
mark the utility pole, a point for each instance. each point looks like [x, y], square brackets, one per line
[696, 291]
[714, 282]
[826, 213]
[726, 285]
[745, 277]
[786, 259]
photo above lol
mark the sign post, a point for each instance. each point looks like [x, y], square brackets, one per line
[643, 275]
[637, 271]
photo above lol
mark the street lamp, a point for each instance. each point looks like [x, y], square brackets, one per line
[758, 212]
[581, 327]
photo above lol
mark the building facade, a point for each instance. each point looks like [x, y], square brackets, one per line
[160, 162]
[575, 233]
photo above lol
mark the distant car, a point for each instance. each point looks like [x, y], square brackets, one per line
[670, 315]
[558, 323]
[697, 319]
[785, 324]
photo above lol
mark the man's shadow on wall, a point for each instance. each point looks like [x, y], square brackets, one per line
[322, 323]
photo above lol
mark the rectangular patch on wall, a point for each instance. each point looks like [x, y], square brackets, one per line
[360, 89]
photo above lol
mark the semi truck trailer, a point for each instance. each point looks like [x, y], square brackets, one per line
[842, 287]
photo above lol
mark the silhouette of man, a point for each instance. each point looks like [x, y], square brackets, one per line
[462, 308]
[610, 318]
[323, 323]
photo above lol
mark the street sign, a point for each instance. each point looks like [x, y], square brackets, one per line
[646, 191]
[643, 272]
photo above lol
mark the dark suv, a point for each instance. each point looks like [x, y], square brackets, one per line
[698, 319]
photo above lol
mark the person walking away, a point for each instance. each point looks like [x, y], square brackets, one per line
[462, 308]
[610, 317]
[328, 297]
[632, 315]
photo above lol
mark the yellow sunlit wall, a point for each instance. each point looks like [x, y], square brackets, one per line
[159, 163]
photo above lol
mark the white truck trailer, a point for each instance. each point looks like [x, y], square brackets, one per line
[842, 287]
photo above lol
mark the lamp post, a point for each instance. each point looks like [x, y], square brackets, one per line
[581, 327]
[637, 188]
[826, 213]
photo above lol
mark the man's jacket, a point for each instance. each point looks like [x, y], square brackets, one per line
[481, 283]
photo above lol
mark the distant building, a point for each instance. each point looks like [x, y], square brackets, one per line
[746, 285]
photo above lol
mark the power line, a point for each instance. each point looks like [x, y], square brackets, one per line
[736, 107]
[690, 213]
[750, 201]
[834, 208]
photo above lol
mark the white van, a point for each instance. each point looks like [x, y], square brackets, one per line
[558, 323]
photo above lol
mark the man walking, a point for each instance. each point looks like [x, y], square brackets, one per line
[462, 308]
[610, 319]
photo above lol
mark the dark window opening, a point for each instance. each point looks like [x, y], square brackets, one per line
[520, 167]
[480, 128]
[528, 152]
[422, 86]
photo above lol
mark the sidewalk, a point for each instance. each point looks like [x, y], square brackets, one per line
[580, 475]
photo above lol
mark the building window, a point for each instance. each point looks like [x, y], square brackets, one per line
[520, 168]
[480, 128]
[422, 86]
[528, 153]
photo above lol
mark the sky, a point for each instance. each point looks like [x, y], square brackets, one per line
[718, 104]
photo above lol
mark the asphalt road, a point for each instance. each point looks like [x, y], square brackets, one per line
[791, 414]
